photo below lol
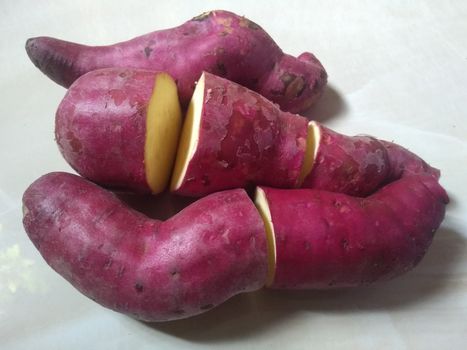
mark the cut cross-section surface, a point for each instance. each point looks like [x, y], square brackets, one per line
[163, 124]
[312, 144]
[189, 137]
[262, 204]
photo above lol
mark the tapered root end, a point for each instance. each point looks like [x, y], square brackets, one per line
[55, 58]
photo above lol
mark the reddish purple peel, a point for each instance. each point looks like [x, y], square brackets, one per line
[355, 165]
[403, 162]
[359, 165]
[325, 239]
[58, 59]
[243, 139]
[219, 42]
[148, 269]
[100, 126]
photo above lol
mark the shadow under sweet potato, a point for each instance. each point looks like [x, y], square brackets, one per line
[249, 314]
[330, 106]
[162, 206]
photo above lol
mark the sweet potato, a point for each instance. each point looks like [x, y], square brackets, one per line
[322, 239]
[119, 127]
[234, 137]
[356, 165]
[151, 270]
[219, 42]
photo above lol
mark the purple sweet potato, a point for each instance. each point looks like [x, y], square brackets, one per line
[219, 42]
[119, 127]
[234, 137]
[151, 270]
[325, 239]
[357, 165]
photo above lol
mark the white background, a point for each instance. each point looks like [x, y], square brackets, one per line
[397, 70]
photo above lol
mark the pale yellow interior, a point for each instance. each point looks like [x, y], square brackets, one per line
[163, 124]
[190, 135]
[312, 143]
[261, 203]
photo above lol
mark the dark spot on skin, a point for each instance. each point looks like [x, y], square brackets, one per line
[139, 287]
[202, 16]
[174, 274]
[147, 51]
[75, 144]
[254, 81]
[337, 204]
[295, 88]
[221, 69]
[179, 311]
[205, 180]
[206, 307]
[345, 244]
[122, 75]
[121, 271]
[331, 283]
[99, 247]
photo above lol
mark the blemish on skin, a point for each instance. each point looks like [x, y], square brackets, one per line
[287, 78]
[295, 88]
[108, 264]
[223, 163]
[118, 96]
[208, 95]
[205, 180]
[175, 275]
[307, 245]
[221, 69]
[202, 16]
[245, 22]
[147, 51]
[345, 244]
[121, 271]
[75, 144]
[179, 311]
[206, 307]
[337, 204]
[139, 287]
[344, 209]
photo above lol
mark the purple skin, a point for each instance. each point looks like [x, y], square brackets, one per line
[145, 268]
[101, 112]
[244, 139]
[359, 165]
[219, 42]
[330, 240]
[403, 162]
